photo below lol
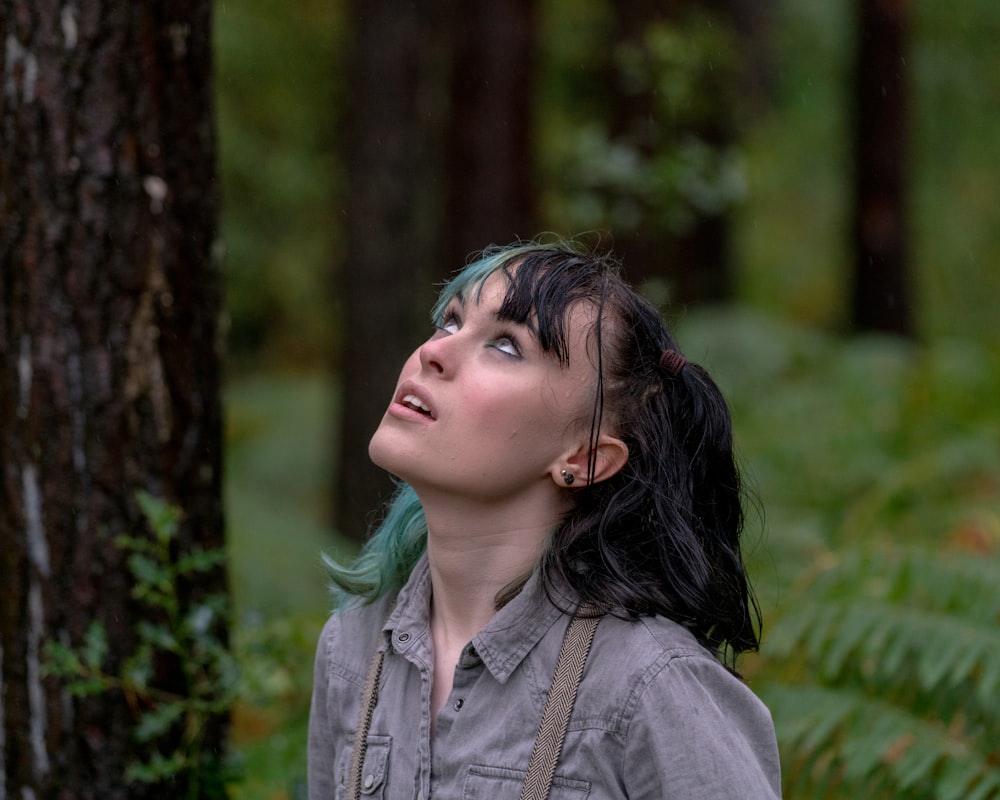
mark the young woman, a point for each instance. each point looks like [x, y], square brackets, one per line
[567, 495]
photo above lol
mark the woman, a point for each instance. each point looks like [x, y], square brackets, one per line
[559, 461]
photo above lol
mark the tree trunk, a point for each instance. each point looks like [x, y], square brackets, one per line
[394, 129]
[881, 297]
[489, 155]
[109, 361]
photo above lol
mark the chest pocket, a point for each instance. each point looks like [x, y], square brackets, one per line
[498, 783]
[375, 773]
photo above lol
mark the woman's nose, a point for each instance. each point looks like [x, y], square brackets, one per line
[434, 355]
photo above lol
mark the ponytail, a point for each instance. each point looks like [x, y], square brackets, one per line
[662, 536]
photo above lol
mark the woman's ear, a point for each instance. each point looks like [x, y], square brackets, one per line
[611, 455]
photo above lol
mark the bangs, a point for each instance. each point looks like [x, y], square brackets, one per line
[543, 283]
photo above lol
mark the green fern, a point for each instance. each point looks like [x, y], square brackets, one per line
[887, 678]
[877, 462]
[847, 743]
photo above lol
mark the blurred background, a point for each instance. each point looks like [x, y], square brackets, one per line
[811, 191]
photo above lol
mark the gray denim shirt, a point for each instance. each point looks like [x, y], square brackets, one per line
[656, 716]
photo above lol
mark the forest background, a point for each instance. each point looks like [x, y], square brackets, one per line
[874, 457]
[841, 286]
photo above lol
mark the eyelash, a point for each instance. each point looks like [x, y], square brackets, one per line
[451, 318]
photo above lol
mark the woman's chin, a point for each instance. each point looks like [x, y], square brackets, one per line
[386, 455]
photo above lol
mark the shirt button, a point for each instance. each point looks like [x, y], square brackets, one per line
[403, 637]
[459, 703]
[369, 781]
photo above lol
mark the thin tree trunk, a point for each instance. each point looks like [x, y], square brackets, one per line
[394, 129]
[109, 358]
[881, 292]
[491, 198]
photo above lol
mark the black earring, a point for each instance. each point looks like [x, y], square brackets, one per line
[568, 477]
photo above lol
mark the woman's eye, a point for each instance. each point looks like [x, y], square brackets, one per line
[505, 344]
[449, 324]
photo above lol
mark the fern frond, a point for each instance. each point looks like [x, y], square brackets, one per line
[838, 742]
[902, 647]
[942, 664]
[961, 584]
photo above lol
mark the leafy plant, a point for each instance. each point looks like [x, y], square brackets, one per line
[889, 668]
[670, 169]
[170, 725]
[877, 463]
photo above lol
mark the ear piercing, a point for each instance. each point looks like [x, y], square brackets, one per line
[568, 477]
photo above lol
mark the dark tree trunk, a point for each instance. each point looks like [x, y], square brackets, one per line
[394, 130]
[489, 154]
[881, 296]
[109, 357]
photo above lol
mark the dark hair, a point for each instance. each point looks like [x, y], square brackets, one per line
[662, 535]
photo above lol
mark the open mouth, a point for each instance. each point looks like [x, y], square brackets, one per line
[413, 402]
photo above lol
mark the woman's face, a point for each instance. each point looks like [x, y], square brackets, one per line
[480, 410]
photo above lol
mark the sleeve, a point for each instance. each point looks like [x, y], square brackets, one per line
[698, 733]
[321, 754]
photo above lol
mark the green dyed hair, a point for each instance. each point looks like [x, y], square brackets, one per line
[389, 555]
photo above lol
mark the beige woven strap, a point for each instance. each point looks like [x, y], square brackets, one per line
[555, 717]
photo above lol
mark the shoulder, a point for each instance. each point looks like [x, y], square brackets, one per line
[349, 638]
[656, 663]
[639, 649]
[686, 723]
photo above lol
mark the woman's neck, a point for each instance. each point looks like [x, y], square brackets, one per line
[473, 554]
[474, 550]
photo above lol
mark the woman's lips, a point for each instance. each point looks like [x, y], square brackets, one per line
[411, 402]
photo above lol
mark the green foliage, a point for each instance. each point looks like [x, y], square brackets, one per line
[878, 465]
[861, 438]
[280, 435]
[171, 726]
[890, 662]
[279, 438]
[667, 171]
[792, 241]
[270, 723]
[277, 81]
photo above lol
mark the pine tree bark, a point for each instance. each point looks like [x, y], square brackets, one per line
[881, 291]
[109, 357]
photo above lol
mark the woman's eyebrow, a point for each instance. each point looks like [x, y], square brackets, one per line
[528, 324]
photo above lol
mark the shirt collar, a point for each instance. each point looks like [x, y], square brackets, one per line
[516, 628]
[409, 622]
[502, 644]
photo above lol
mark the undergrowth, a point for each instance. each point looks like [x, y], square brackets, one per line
[878, 464]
